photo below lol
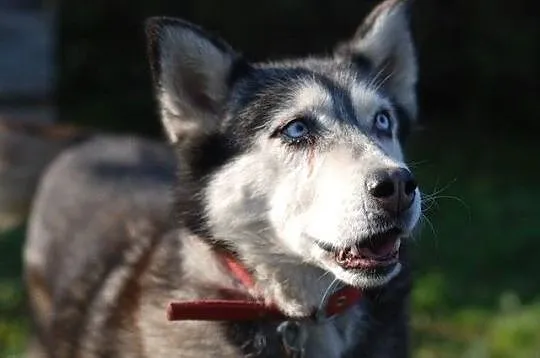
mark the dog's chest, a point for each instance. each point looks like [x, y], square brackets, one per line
[335, 337]
[330, 339]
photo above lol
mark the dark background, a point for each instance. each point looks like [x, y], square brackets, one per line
[478, 58]
[477, 287]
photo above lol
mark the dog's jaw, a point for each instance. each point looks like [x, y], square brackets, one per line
[296, 289]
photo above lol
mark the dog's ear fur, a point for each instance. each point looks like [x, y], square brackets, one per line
[384, 44]
[191, 71]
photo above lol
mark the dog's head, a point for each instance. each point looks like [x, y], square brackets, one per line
[299, 159]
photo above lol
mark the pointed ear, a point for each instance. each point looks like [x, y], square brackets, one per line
[383, 43]
[191, 71]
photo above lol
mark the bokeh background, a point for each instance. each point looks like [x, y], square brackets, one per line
[477, 288]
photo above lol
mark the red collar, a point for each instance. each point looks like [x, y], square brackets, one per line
[249, 309]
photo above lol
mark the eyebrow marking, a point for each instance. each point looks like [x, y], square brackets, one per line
[320, 90]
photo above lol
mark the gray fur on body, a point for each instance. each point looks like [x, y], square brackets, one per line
[125, 264]
[105, 255]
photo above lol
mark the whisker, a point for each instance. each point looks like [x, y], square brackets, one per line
[327, 292]
[373, 81]
[323, 275]
[430, 224]
[428, 203]
[436, 192]
[381, 83]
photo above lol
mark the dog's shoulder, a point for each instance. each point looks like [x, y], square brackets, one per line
[97, 190]
[98, 210]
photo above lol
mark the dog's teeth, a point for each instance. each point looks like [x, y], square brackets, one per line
[341, 256]
[397, 244]
[355, 251]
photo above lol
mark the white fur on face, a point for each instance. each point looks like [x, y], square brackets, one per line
[283, 199]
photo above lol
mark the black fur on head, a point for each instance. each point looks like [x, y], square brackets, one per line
[212, 100]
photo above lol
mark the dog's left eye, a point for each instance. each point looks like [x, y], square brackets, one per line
[295, 130]
[383, 123]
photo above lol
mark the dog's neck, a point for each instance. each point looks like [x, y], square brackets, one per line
[297, 289]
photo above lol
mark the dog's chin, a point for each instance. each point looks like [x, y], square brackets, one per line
[366, 279]
[369, 263]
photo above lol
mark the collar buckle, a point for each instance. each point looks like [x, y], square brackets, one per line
[293, 338]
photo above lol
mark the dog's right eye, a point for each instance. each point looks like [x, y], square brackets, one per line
[296, 129]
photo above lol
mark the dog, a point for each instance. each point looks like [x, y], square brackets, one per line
[290, 211]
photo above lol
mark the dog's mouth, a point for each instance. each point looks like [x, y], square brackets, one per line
[377, 251]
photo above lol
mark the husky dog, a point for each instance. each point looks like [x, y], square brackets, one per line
[294, 168]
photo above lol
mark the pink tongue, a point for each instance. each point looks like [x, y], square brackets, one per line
[383, 250]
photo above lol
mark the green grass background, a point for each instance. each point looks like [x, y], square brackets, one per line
[477, 289]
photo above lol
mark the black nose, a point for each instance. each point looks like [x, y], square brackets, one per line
[393, 188]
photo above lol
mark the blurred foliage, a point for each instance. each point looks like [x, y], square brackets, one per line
[13, 314]
[476, 293]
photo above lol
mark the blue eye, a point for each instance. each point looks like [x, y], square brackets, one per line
[383, 123]
[296, 129]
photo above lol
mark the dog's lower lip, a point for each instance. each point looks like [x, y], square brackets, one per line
[365, 258]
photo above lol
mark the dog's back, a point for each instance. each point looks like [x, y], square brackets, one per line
[99, 208]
